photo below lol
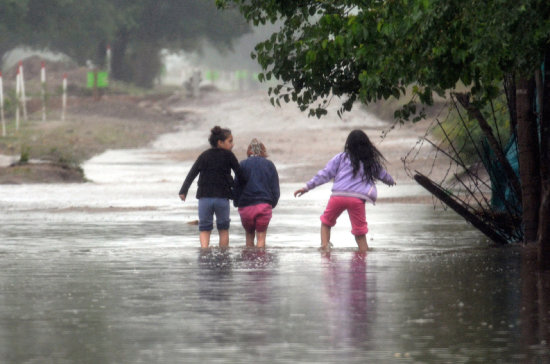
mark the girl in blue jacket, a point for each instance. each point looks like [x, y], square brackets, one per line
[259, 195]
[354, 172]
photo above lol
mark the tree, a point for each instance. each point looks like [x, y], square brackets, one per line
[137, 30]
[11, 12]
[367, 50]
[149, 26]
[72, 27]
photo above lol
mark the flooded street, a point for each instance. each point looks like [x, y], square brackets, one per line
[110, 271]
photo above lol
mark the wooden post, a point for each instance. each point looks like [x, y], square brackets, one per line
[95, 88]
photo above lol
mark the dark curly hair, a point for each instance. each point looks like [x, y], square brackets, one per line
[218, 134]
[362, 152]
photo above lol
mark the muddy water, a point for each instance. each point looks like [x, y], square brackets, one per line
[110, 272]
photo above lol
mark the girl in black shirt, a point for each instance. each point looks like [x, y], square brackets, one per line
[215, 185]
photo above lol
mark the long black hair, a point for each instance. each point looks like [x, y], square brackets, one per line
[362, 152]
[218, 134]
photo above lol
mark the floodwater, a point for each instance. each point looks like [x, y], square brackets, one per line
[111, 272]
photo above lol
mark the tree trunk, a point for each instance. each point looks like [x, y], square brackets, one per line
[510, 88]
[138, 63]
[528, 156]
[146, 63]
[544, 231]
[100, 56]
[120, 69]
[544, 218]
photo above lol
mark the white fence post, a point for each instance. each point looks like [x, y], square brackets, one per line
[22, 89]
[2, 106]
[17, 97]
[64, 98]
[43, 89]
[108, 56]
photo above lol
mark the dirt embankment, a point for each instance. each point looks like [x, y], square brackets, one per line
[52, 151]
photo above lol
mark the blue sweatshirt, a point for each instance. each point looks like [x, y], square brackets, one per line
[341, 169]
[262, 185]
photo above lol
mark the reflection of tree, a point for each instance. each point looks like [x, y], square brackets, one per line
[535, 309]
[347, 292]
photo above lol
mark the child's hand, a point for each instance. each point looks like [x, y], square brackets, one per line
[300, 192]
[182, 197]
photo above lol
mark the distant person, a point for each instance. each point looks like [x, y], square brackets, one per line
[215, 185]
[256, 197]
[354, 172]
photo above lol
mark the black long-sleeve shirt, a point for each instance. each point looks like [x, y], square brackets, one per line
[214, 169]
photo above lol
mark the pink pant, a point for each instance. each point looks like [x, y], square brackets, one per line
[356, 211]
[255, 217]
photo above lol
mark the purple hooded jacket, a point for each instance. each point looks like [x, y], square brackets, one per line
[341, 169]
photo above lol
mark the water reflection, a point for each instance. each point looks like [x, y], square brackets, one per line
[535, 310]
[258, 265]
[346, 289]
[215, 274]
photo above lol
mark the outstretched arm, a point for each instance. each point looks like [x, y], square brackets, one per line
[386, 178]
[300, 192]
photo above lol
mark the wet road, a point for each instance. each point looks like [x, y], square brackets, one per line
[124, 284]
[110, 272]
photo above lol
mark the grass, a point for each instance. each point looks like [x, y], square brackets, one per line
[89, 129]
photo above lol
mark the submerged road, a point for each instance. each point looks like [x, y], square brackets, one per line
[110, 272]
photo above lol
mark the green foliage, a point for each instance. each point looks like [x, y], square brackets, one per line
[465, 133]
[25, 154]
[370, 50]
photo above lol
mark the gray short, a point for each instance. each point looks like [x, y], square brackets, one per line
[210, 206]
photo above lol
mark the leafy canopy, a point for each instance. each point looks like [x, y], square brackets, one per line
[369, 50]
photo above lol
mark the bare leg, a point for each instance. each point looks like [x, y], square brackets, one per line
[204, 238]
[362, 242]
[325, 237]
[224, 238]
[261, 239]
[250, 239]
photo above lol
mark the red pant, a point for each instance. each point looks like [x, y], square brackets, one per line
[256, 217]
[356, 211]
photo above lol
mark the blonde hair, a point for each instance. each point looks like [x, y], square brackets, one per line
[256, 148]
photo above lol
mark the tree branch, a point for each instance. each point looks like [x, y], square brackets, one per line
[474, 112]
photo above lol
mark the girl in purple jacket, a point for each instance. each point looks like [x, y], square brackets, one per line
[354, 172]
